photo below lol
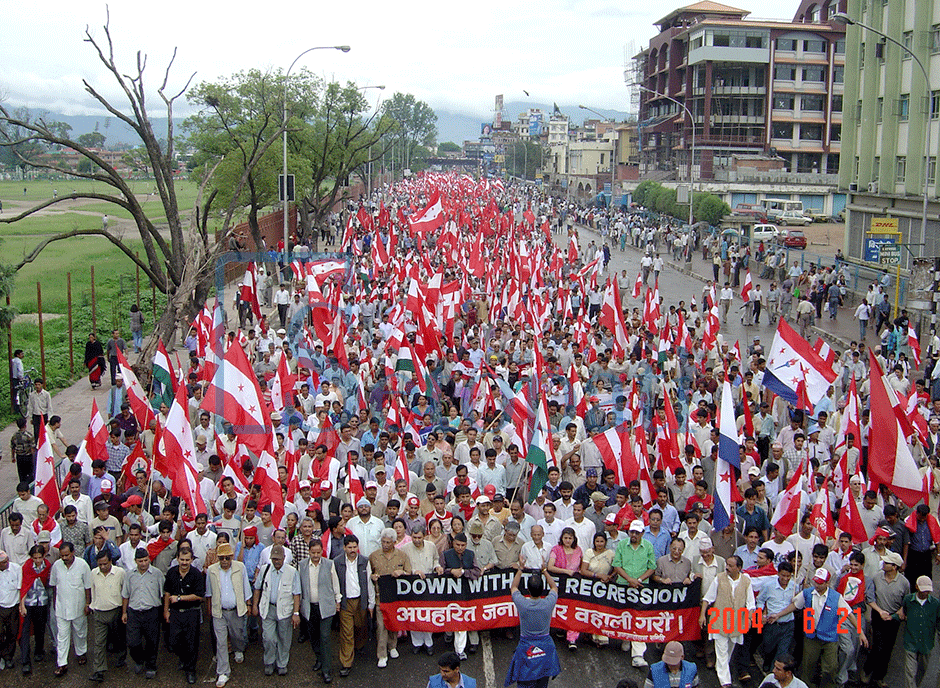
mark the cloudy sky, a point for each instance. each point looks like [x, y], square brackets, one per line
[455, 56]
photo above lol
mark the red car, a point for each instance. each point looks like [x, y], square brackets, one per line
[792, 238]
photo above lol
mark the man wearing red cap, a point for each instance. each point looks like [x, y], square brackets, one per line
[822, 607]
[663, 674]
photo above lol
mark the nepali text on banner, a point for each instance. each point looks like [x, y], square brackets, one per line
[655, 613]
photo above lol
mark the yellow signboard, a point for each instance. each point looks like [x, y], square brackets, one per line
[884, 225]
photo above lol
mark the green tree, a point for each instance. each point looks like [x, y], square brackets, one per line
[237, 117]
[338, 141]
[709, 208]
[92, 139]
[180, 258]
[523, 159]
[413, 124]
[449, 147]
[644, 191]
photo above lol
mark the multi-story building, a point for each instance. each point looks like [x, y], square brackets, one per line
[892, 125]
[753, 87]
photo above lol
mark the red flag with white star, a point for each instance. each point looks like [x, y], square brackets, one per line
[46, 488]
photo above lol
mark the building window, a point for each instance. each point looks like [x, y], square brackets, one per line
[783, 130]
[811, 103]
[900, 169]
[879, 109]
[814, 45]
[814, 74]
[783, 101]
[840, 46]
[907, 40]
[858, 112]
[697, 42]
[876, 169]
[838, 74]
[904, 107]
[837, 103]
[786, 44]
[935, 38]
[931, 171]
[754, 41]
[835, 132]
[934, 104]
[856, 167]
[785, 73]
[721, 40]
[810, 132]
[832, 163]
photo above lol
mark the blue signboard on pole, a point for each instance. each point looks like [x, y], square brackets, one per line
[873, 246]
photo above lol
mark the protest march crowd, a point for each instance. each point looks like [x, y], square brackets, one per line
[462, 395]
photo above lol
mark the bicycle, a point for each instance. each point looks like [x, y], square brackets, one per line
[21, 391]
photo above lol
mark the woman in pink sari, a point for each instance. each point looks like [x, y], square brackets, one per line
[565, 558]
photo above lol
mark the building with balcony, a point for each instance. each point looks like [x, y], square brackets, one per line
[892, 125]
[754, 87]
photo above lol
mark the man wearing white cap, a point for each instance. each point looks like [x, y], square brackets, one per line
[634, 563]
[922, 612]
[823, 607]
[304, 496]
[366, 527]
[707, 566]
[729, 590]
[673, 667]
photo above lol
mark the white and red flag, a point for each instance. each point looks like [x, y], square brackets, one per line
[791, 361]
[180, 453]
[136, 395]
[890, 460]
[46, 488]
[746, 287]
[430, 217]
[94, 446]
[913, 342]
[234, 395]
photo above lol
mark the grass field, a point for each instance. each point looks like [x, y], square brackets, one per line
[115, 275]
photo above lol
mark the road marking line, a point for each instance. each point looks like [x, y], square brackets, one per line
[489, 671]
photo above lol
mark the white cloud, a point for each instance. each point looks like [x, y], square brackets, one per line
[452, 56]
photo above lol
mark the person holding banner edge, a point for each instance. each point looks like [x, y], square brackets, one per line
[535, 660]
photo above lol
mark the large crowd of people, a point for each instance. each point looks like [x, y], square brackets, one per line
[428, 468]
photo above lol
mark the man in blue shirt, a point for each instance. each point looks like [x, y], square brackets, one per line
[773, 598]
[658, 536]
[450, 675]
[753, 516]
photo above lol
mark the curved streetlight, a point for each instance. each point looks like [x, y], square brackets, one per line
[612, 155]
[845, 20]
[380, 87]
[341, 48]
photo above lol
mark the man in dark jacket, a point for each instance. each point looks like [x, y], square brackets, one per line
[355, 584]
[459, 562]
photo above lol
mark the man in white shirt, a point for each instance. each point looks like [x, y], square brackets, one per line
[16, 540]
[535, 553]
[82, 502]
[280, 538]
[551, 526]
[11, 577]
[202, 539]
[71, 578]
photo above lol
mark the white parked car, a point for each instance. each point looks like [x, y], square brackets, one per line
[764, 233]
[794, 217]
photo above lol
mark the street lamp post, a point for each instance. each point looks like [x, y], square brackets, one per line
[844, 19]
[613, 154]
[369, 166]
[691, 149]
[342, 48]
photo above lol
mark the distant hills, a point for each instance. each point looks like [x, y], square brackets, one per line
[451, 126]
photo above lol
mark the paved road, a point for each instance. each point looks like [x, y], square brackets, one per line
[683, 281]
[589, 667]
